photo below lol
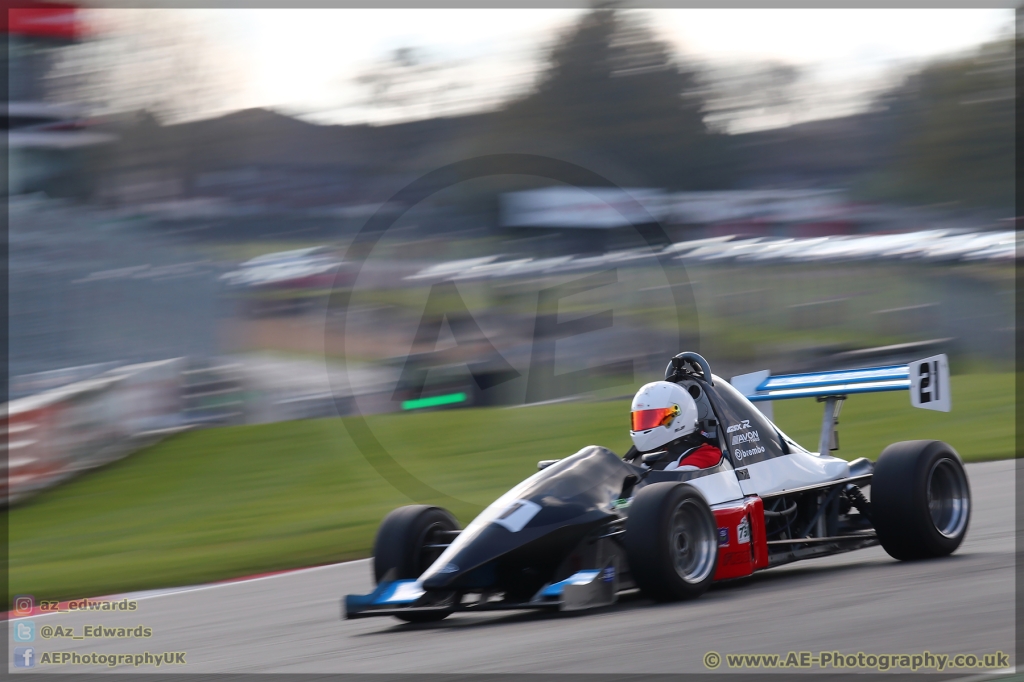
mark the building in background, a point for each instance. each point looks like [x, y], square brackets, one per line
[582, 219]
[45, 141]
[588, 219]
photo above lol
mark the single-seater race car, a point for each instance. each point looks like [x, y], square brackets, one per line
[589, 526]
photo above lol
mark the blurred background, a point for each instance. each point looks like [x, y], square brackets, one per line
[783, 189]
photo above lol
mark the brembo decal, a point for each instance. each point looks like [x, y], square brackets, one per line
[740, 454]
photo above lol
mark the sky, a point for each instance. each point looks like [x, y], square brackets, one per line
[306, 62]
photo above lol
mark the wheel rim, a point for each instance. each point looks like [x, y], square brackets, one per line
[692, 542]
[948, 498]
[427, 555]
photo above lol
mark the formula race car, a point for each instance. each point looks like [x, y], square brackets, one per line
[585, 528]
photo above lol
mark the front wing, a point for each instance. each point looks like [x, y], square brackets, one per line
[585, 589]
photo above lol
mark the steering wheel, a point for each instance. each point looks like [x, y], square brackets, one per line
[688, 364]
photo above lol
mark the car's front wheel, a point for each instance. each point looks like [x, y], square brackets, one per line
[407, 543]
[671, 541]
[920, 499]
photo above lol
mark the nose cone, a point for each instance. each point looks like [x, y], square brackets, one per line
[535, 523]
[439, 581]
[454, 567]
[482, 561]
[443, 577]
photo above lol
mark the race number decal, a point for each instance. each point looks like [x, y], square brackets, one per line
[743, 531]
[517, 515]
[929, 383]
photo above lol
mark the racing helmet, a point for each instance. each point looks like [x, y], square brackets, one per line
[661, 412]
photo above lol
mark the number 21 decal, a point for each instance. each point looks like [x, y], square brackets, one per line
[926, 372]
[929, 383]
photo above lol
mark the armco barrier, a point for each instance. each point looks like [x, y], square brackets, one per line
[53, 435]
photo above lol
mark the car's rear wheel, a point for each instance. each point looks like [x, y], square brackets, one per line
[920, 499]
[406, 546]
[671, 541]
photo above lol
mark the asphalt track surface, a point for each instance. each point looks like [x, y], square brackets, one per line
[859, 601]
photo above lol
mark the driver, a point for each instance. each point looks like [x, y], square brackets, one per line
[664, 419]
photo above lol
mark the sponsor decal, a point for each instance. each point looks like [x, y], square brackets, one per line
[609, 574]
[723, 537]
[746, 437]
[743, 474]
[745, 424]
[740, 454]
[743, 531]
[450, 568]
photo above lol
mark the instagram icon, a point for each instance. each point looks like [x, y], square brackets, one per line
[23, 604]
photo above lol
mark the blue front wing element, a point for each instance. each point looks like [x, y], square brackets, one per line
[579, 578]
[389, 593]
[585, 589]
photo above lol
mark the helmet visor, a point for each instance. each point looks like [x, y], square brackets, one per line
[648, 419]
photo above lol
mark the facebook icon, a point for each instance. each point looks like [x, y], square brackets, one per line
[24, 657]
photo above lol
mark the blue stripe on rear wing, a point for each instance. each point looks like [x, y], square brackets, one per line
[843, 382]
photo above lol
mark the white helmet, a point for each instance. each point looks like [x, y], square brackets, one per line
[661, 412]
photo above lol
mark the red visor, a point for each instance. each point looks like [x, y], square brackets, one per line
[648, 419]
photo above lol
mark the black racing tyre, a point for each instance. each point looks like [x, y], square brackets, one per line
[671, 541]
[401, 547]
[402, 538]
[920, 499]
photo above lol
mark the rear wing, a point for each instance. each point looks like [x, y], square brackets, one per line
[873, 380]
[926, 379]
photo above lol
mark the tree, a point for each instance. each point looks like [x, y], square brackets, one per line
[951, 128]
[162, 61]
[739, 94]
[610, 86]
[407, 82]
